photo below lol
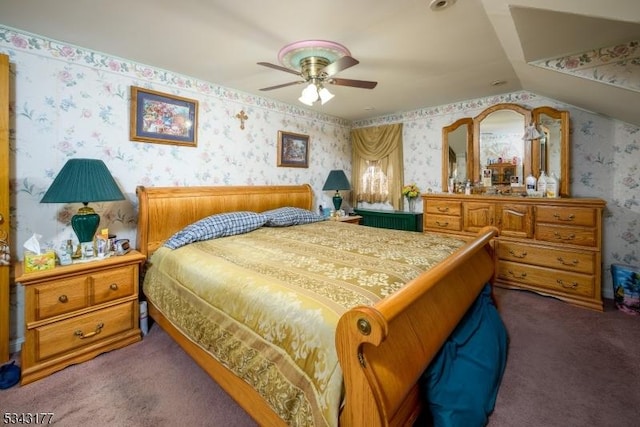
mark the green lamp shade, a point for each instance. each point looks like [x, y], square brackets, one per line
[336, 180]
[83, 181]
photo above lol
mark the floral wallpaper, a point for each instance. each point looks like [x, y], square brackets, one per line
[617, 65]
[68, 101]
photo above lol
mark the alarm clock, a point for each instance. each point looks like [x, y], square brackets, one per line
[122, 246]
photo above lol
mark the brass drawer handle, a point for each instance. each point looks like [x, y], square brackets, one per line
[79, 333]
[113, 286]
[442, 209]
[563, 262]
[573, 285]
[569, 218]
[559, 236]
[442, 224]
[63, 299]
[520, 276]
[515, 255]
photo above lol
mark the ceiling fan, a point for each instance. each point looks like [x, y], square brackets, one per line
[316, 62]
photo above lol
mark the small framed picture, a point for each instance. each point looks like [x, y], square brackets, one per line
[486, 177]
[293, 150]
[162, 118]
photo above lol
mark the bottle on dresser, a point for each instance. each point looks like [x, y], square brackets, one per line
[552, 186]
[541, 184]
[530, 182]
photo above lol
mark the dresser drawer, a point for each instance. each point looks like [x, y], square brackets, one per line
[113, 284]
[566, 235]
[443, 207]
[67, 335]
[581, 262]
[58, 297]
[564, 282]
[586, 217]
[443, 222]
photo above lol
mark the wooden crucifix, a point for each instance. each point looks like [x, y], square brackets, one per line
[242, 116]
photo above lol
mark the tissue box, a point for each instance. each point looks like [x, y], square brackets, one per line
[34, 262]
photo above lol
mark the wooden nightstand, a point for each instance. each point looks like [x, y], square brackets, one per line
[351, 219]
[75, 312]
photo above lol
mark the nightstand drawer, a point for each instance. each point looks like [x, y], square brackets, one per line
[59, 297]
[61, 337]
[113, 284]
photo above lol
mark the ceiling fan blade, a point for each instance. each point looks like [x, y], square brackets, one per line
[354, 83]
[282, 85]
[278, 67]
[339, 65]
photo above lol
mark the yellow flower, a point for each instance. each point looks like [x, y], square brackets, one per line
[410, 191]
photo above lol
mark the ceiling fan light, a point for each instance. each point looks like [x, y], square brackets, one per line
[305, 101]
[309, 94]
[325, 95]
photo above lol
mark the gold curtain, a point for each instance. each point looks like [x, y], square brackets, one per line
[381, 145]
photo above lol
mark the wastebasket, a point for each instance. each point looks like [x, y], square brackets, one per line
[626, 288]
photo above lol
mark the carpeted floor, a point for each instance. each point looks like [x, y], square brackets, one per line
[567, 367]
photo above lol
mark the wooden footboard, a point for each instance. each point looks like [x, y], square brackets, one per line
[383, 349]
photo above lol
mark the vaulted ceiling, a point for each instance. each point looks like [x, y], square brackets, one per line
[582, 52]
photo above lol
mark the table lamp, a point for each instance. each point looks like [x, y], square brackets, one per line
[336, 180]
[83, 181]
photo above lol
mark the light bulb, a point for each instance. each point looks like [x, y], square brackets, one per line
[309, 94]
[325, 95]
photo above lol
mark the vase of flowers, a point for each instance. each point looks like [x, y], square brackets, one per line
[411, 192]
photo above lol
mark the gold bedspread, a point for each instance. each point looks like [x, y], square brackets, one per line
[266, 304]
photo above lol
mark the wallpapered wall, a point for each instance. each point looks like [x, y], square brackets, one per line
[69, 101]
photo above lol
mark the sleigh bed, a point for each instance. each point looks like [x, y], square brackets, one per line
[382, 343]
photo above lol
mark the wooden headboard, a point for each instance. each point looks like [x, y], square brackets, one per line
[163, 211]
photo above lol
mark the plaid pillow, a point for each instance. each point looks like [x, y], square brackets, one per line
[214, 226]
[284, 217]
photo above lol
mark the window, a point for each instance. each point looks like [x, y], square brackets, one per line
[374, 185]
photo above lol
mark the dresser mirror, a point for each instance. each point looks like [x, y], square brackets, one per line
[494, 140]
[551, 152]
[457, 143]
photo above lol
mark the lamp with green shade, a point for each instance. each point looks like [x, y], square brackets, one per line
[83, 181]
[336, 180]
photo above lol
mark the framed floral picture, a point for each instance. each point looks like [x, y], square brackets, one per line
[163, 118]
[293, 150]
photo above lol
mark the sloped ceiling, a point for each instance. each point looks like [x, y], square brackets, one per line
[420, 57]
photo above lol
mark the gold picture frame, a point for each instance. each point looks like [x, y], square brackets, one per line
[163, 118]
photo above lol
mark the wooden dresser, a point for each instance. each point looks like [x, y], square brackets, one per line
[550, 246]
[75, 312]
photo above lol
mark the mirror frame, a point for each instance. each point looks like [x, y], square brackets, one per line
[468, 122]
[565, 153]
[477, 120]
[531, 162]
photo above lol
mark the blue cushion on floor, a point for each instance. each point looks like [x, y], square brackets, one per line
[461, 383]
[9, 375]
